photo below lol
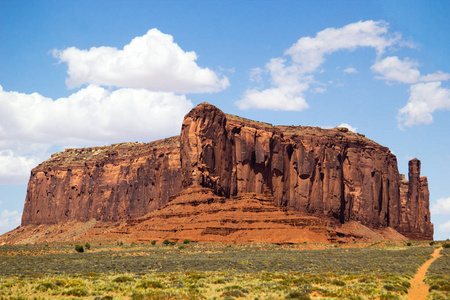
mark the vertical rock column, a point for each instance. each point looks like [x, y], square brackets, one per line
[415, 216]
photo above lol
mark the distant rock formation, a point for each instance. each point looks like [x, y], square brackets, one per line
[332, 174]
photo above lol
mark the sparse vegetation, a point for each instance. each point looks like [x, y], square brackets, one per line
[208, 271]
[79, 248]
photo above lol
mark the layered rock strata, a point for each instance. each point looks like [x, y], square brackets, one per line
[332, 174]
[109, 183]
[196, 213]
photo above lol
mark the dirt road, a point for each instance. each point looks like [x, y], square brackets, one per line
[419, 290]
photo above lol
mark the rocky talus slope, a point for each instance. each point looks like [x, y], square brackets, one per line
[229, 179]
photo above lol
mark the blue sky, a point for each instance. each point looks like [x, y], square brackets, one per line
[88, 73]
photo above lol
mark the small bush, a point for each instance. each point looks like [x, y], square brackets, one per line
[79, 248]
[297, 295]
[153, 242]
[181, 247]
[122, 279]
[45, 286]
[77, 292]
[431, 243]
[87, 246]
[166, 242]
[104, 298]
[187, 241]
[173, 243]
[446, 245]
[151, 284]
[408, 244]
[337, 282]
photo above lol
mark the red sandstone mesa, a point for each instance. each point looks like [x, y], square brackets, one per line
[332, 174]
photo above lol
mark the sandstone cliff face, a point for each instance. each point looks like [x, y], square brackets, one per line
[325, 172]
[415, 210]
[332, 174]
[110, 183]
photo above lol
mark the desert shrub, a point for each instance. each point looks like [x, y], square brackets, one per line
[395, 288]
[389, 296]
[79, 248]
[166, 242]
[87, 246]
[172, 243]
[151, 284]
[337, 282]
[187, 241]
[446, 245]
[219, 281]
[153, 242]
[440, 285]
[181, 247]
[104, 298]
[77, 292]
[45, 286]
[123, 278]
[235, 293]
[297, 295]
[137, 296]
[408, 244]
[431, 243]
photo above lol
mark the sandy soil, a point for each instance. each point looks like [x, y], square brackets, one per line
[419, 290]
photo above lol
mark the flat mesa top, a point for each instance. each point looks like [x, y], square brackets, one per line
[120, 150]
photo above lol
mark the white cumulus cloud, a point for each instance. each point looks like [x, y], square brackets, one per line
[441, 207]
[394, 69]
[350, 70]
[445, 227]
[31, 123]
[424, 99]
[92, 114]
[15, 169]
[426, 93]
[291, 75]
[152, 61]
[9, 220]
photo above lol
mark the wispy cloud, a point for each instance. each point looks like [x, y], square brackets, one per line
[350, 70]
[292, 75]
[9, 220]
[441, 207]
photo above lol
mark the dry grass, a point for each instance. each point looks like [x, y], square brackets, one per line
[207, 271]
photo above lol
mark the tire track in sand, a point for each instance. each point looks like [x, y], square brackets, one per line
[419, 290]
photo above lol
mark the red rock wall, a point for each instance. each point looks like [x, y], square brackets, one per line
[325, 172]
[415, 210]
[329, 173]
[111, 183]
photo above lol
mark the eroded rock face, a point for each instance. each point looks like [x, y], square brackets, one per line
[110, 183]
[415, 210]
[325, 172]
[332, 174]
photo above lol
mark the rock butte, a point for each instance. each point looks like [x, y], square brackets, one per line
[228, 179]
